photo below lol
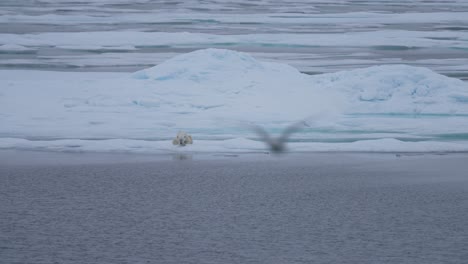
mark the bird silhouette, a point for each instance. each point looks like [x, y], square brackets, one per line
[278, 145]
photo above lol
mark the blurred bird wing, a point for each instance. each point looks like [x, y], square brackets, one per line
[291, 129]
[262, 133]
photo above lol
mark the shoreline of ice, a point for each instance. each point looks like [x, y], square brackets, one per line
[235, 146]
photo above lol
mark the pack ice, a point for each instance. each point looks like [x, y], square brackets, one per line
[212, 93]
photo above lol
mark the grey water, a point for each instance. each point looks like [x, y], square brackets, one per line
[319, 208]
[37, 17]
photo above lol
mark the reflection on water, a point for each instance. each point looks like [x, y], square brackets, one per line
[181, 156]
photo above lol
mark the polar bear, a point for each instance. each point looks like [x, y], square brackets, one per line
[182, 139]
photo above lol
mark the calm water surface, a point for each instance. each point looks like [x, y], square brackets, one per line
[320, 208]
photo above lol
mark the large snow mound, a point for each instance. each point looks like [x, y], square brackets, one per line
[204, 65]
[378, 89]
[214, 93]
[236, 85]
[398, 89]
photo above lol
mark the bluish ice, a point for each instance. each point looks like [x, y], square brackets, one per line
[126, 75]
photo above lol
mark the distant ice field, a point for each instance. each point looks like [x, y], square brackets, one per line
[313, 36]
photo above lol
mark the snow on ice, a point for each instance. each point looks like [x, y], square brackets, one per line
[213, 93]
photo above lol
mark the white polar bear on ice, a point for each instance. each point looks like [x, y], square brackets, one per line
[182, 139]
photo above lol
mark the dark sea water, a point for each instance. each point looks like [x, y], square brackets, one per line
[318, 208]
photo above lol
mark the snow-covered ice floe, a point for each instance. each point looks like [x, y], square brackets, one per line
[216, 95]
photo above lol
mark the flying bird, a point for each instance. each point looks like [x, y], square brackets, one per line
[278, 144]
